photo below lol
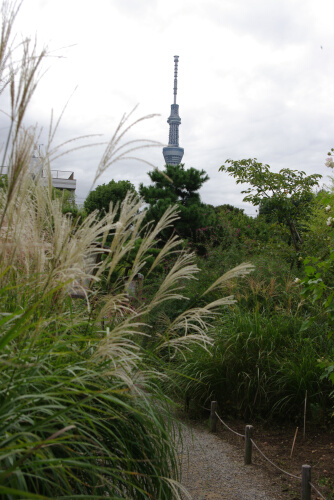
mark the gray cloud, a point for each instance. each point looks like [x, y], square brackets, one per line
[253, 82]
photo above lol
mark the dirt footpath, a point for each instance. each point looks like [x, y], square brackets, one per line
[213, 470]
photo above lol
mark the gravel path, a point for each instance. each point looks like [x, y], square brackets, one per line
[213, 470]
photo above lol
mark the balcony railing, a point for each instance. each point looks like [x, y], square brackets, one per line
[55, 174]
[60, 174]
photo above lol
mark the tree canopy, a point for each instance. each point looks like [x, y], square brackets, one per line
[289, 191]
[101, 197]
[176, 185]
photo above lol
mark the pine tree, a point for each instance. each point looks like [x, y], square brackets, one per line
[177, 186]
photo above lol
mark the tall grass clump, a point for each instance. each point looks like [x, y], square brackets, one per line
[263, 358]
[259, 366]
[82, 412]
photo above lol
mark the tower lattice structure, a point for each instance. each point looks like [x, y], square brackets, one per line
[173, 153]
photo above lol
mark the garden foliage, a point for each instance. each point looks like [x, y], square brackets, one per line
[287, 193]
[274, 349]
[82, 412]
[89, 369]
[104, 194]
[176, 185]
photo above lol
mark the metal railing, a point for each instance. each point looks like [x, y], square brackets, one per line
[60, 174]
[55, 174]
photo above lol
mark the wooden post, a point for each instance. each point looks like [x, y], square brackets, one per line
[248, 444]
[305, 406]
[306, 478]
[213, 417]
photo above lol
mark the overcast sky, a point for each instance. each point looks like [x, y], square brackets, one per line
[255, 80]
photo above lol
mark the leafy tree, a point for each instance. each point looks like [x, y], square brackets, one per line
[289, 191]
[319, 224]
[226, 208]
[67, 199]
[3, 181]
[101, 197]
[270, 208]
[177, 186]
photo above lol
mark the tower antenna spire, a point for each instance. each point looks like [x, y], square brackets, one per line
[173, 154]
[176, 62]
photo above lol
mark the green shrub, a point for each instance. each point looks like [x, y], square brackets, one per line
[258, 366]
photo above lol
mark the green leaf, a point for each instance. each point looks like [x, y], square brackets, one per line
[21, 494]
[310, 270]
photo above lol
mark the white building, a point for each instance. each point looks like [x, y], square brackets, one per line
[61, 179]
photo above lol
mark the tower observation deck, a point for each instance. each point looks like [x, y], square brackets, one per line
[173, 153]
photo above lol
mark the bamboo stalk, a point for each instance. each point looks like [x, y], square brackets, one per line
[305, 415]
[294, 440]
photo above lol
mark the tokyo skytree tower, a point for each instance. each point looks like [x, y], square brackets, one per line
[173, 153]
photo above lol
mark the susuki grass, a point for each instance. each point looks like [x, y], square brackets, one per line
[82, 414]
[259, 365]
[261, 360]
[72, 425]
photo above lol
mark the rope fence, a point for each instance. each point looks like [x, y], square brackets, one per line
[305, 478]
[274, 465]
[228, 428]
[317, 491]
